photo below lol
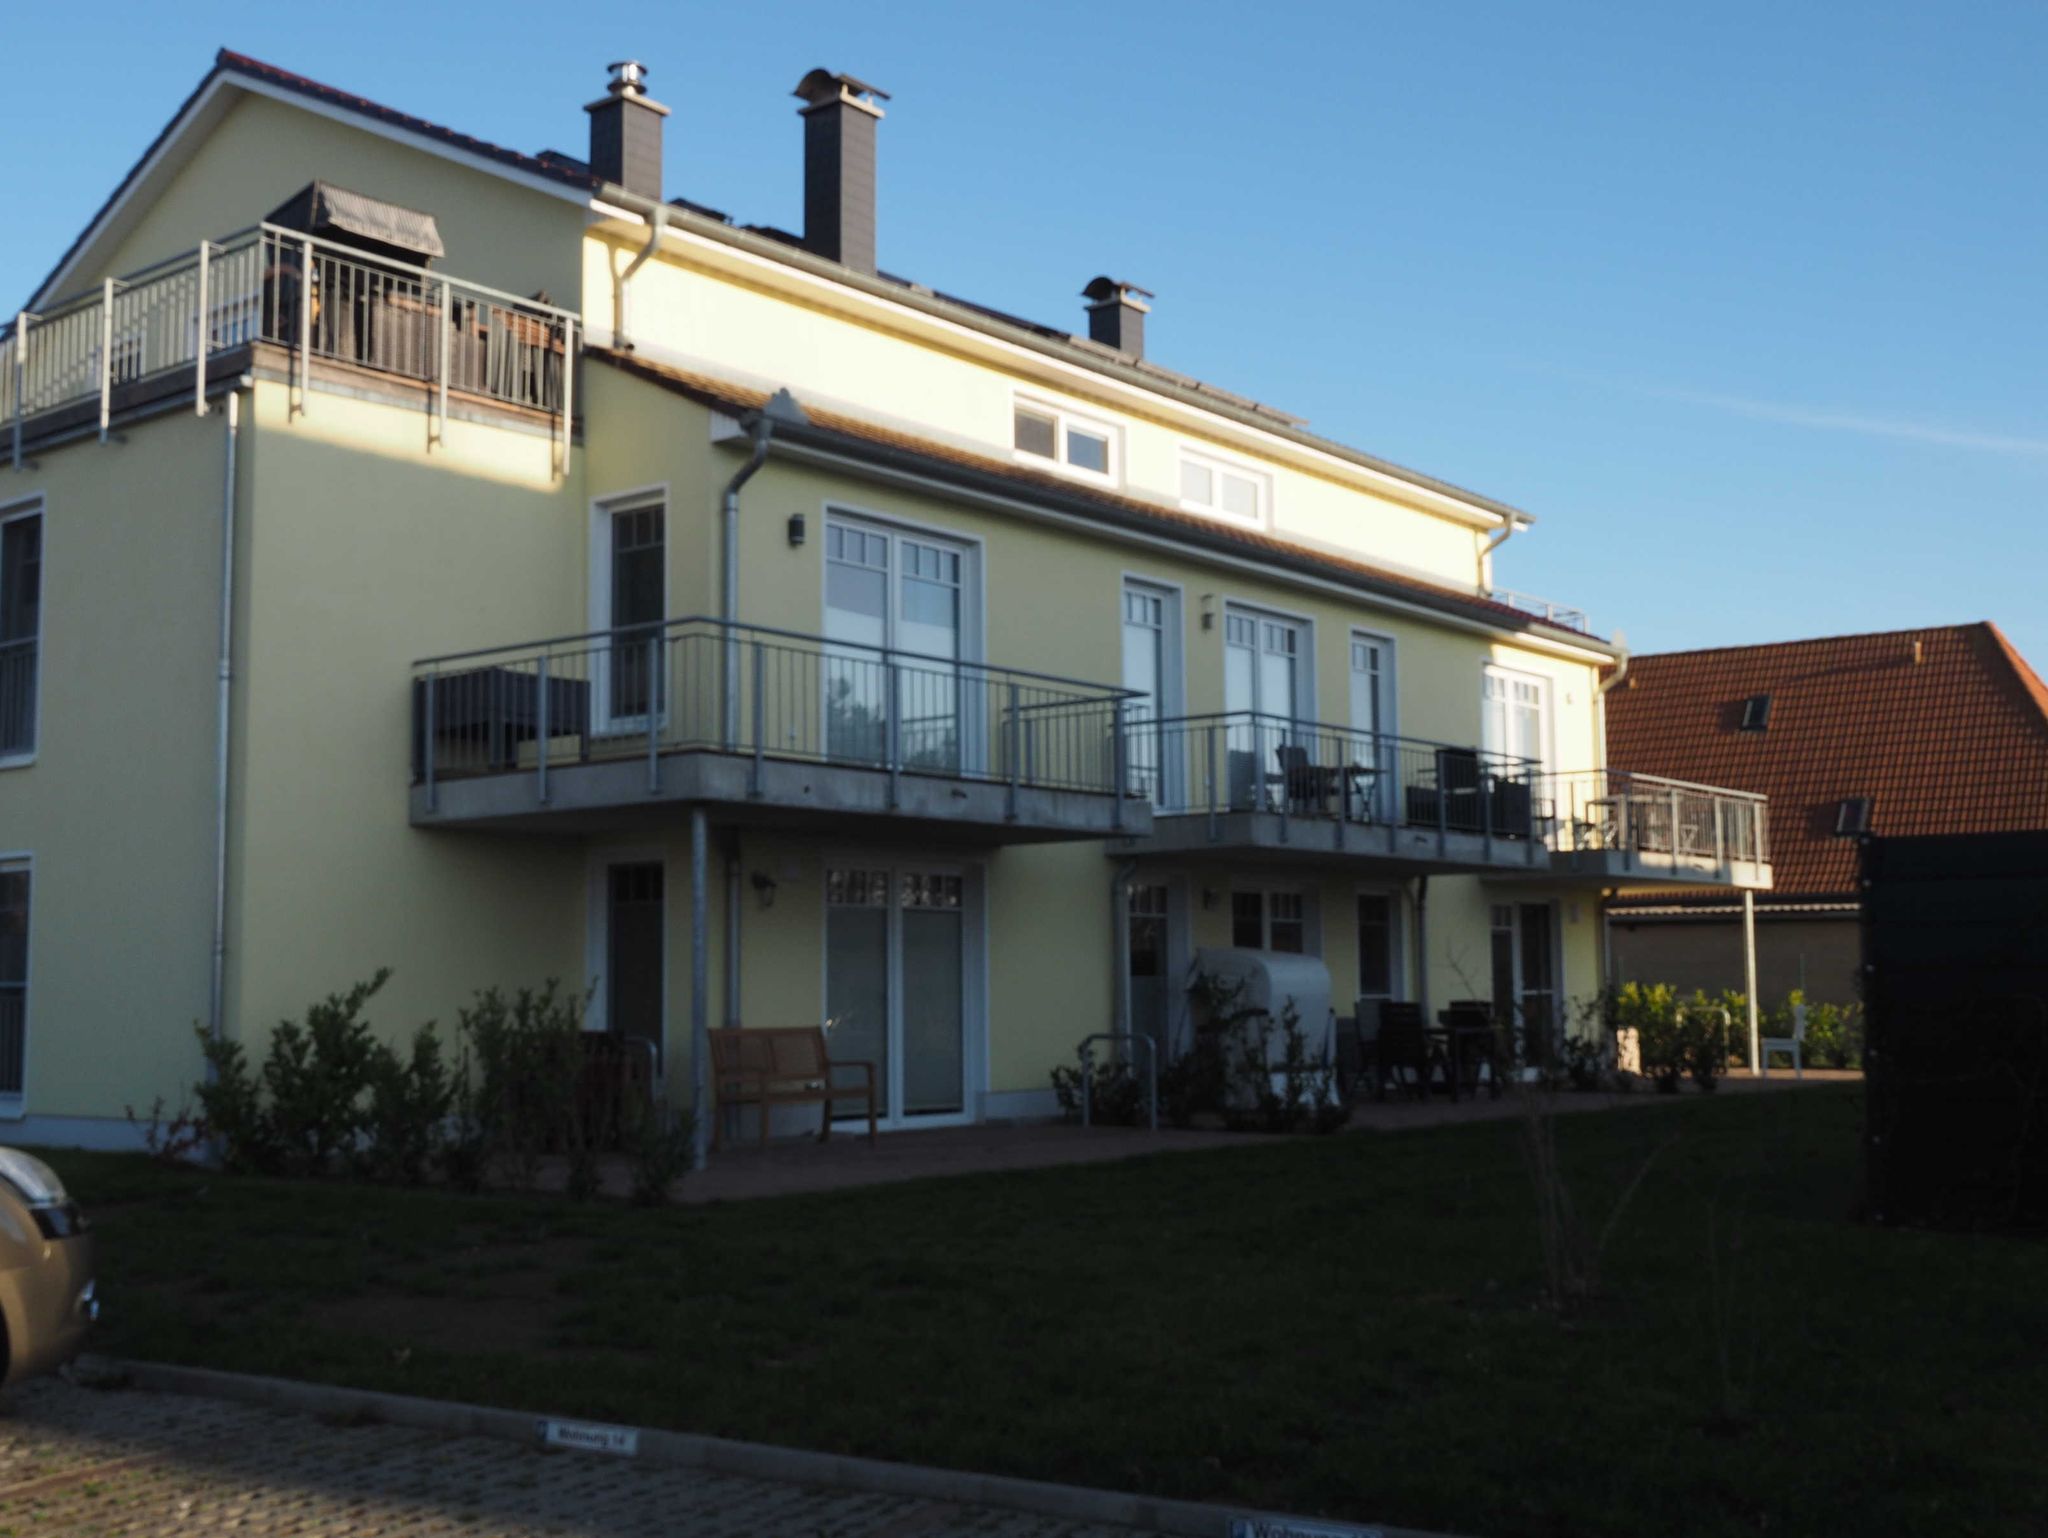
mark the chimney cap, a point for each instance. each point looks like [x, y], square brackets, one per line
[1108, 290]
[824, 88]
[628, 83]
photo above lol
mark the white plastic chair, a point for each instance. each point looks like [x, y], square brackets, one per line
[1793, 1044]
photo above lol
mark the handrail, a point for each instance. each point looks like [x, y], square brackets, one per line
[660, 629]
[1362, 734]
[1662, 782]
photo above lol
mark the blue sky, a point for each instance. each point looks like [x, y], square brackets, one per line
[1744, 302]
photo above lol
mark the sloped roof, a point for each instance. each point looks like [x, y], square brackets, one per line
[1946, 730]
[1105, 506]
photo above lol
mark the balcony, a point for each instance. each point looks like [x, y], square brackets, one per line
[323, 312]
[1562, 615]
[1641, 828]
[1242, 782]
[590, 732]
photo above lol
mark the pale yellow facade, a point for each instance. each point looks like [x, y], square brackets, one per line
[370, 535]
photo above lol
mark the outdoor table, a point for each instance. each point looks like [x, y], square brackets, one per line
[1451, 1040]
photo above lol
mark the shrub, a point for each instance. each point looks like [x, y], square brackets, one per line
[1116, 1095]
[1703, 1032]
[1290, 1094]
[527, 1051]
[232, 1104]
[176, 1141]
[405, 1126]
[659, 1144]
[1652, 1011]
[317, 1077]
[1834, 1035]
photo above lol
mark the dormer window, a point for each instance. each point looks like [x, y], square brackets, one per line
[1852, 816]
[1073, 442]
[1221, 489]
[1756, 713]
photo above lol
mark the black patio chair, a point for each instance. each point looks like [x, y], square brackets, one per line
[1402, 1048]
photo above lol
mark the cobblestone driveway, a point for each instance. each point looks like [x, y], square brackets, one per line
[76, 1461]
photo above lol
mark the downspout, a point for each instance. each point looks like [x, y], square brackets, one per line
[1499, 537]
[729, 574]
[216, 1006]
[657, 221]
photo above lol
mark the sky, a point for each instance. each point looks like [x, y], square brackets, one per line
[1742, 302]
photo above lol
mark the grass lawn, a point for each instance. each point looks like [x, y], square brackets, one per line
[1348, 1326]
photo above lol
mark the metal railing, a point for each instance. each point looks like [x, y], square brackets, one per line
[1244, 761]
[316, 297]
[765, 694]
[1615, 810]
[1543, 609]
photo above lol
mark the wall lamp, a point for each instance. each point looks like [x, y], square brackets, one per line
[796, 530]
[1208, 611]
[764, 884]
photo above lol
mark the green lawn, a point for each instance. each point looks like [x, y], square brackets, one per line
[1349, 1326]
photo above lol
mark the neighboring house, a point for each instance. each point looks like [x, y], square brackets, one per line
[1905, 732]
[730, 626]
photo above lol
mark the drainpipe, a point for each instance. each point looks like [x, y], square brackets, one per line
[1498, 538]
[1600, 693]
[729, 577]
[1120, 943]
[657, 221]
[1422, 946]
[216, 1006]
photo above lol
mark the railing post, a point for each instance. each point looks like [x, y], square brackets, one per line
[433, 687]
[1118, 748]
[540, 728]
[442, 331]
[305, 338]
[568, 387]
[1720, 837]
[892, 731]
[1016, 753]
[1215, 824]
[653, 717]
[202, 333]
[106, 356]
[1674, 825]
[1487, 781]
[755, 788]
[21, 320]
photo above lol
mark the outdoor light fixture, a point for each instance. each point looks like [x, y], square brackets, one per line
[1208, 611]
[764, 884]
[796, 530]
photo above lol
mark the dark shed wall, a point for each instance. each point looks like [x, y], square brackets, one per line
[1819, 955]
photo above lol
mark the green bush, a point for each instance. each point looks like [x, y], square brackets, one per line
[1652, 1011]
[232, 1105]
[659, 1143]
[526, 1049]
[407, 1124]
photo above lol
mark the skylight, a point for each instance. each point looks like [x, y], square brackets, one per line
[1852, 817]
[1756, 712]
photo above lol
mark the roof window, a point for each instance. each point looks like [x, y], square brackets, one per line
[1852, 817]
[1756, 713]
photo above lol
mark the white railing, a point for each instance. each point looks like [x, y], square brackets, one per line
[1542, 608]
[1615, 811]
[315, 297]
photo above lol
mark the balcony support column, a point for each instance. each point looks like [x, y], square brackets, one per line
[700, 993]
[1756, 1061]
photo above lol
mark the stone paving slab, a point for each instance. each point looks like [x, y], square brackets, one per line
[122, 1461]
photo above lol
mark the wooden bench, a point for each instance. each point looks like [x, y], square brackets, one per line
[780, 1065]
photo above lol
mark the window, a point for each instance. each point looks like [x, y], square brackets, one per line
[1150, 655]
[1756, 713]
[14, 884]
[1376, 956]
[1051, 432]
[21, 594]
[1269, 921]
[630, 599]
[1221, 489]
[1517, 719]
[1852, 817]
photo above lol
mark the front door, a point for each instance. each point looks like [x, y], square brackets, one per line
[632, 980]
[896, 984]
[896, 604]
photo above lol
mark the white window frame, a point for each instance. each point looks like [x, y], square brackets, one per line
[1172, 702]
[1066, 419]
[1266, 891]
[597, 923]
[1303, 708]
[1511, 676]
[14, 1104]
[32, 507]
[1217, 464]
[602, 510]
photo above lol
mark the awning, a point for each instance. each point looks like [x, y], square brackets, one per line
[321, 209]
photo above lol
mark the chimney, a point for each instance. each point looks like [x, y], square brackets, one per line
[625, 131]
[839, 116]
[1116, 315]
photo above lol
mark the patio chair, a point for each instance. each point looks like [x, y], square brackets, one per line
[1402, 1051]
[1475, 1043]
[1793, 1046]
[1306, 787]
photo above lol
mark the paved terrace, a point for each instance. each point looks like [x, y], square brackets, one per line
[788, 1166]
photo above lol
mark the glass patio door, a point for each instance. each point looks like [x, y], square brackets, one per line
[895, 984]
[1524, 955]
[1262, 677]
[1372, 670]
[890, 593]
[1145, 676]
[635, 598]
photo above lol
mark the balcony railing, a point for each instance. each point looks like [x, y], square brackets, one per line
[1617, 812]
[319, 299]
[1243, 761]
[699, 684]
[1543, 609]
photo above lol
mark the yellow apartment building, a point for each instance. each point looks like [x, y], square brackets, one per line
[422, 554]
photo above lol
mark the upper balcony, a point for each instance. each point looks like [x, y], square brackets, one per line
[596, 731]
[1642, 829]
[1243, 783]
[316, 311]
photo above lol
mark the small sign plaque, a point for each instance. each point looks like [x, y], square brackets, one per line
[587, 1437]
[1293, 1527]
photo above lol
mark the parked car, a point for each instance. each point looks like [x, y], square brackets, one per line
[48, 1298]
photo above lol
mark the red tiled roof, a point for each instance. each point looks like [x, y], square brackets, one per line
[1122, 509]
[1946, 730]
